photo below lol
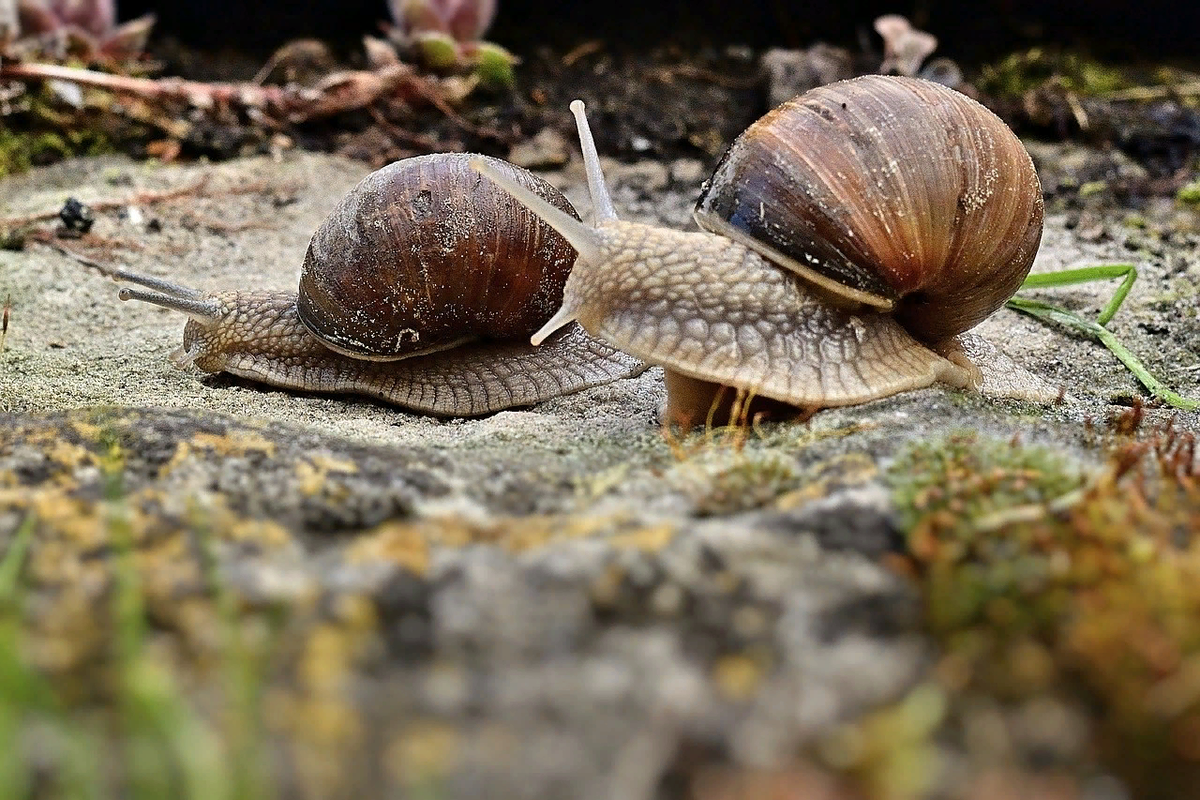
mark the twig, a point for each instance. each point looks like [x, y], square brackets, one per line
[4, 322]
[139, 199]
[1077, 111]
[196, 93]
[396, 132]
[105, 269]
[340, 91]
[1188, 89]
[585, 49]
[692, 72]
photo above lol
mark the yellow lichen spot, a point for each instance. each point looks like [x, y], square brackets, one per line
[235, 444]
[238, 443]
[596, 486]
[327, 735]
[70, 455]
[650, 539]
[520, 534]
[313, 472]
[86, 430]
[737, 676]
[355, 613]
[456, 532]
[80, 522]
[423, 752]
[605, 590]
[330, 721]
[265, 533]
[398, 542]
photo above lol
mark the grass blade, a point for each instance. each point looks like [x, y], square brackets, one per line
[1050, 313]
[1100, 272]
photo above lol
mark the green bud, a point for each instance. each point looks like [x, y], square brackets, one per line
[494, 66]
[437, 51]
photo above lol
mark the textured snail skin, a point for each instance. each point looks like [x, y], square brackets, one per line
[715, 312]
[420, 289]
[259, 336]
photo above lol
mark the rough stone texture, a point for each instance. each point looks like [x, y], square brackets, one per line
[548, 602]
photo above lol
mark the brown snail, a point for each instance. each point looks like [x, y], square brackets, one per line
[851, 237]
[420, 289]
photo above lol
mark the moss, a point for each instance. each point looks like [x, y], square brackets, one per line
[1019, 73]
[747, 481]
[1043, 581]
[891, 750]
[1189, 193]
[966, 477]
[20, 150]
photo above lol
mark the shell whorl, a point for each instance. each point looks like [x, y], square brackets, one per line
[424, 254]
[891, 192]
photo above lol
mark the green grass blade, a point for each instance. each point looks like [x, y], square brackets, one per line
[243, 679]
[21, 688]
[170, 751]
[14, 678]
[14, 559]
[1050, 313]
[1070, 277]
[26, 696]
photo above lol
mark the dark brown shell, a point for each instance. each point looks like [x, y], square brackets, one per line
[893, 192]
[425, 253]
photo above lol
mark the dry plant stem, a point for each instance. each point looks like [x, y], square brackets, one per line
[273, 105]
[399, 134]
[4, 322]
[149, 88]
[111, 272]
[668, 75]
[1188, 89]
[122, 274]
[139, 199]
[582, 51]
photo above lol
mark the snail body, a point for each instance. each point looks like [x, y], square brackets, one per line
[420, 289]
[850, 238]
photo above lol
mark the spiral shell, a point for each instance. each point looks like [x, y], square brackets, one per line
[424, 254]
[893, 193]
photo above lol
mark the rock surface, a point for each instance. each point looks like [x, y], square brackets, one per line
[549, 602]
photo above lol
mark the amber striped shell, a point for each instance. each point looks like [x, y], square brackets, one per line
[892, 192]
[425, 253]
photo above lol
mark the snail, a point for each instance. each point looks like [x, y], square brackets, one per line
[420, 289]
[849, 239]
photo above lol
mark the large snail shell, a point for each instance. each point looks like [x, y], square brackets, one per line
[424, 253]
[896, 193]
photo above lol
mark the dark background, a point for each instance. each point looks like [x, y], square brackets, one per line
[1152, 30]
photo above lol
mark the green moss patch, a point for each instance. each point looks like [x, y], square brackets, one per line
[1021, 72]
[1042, 581]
